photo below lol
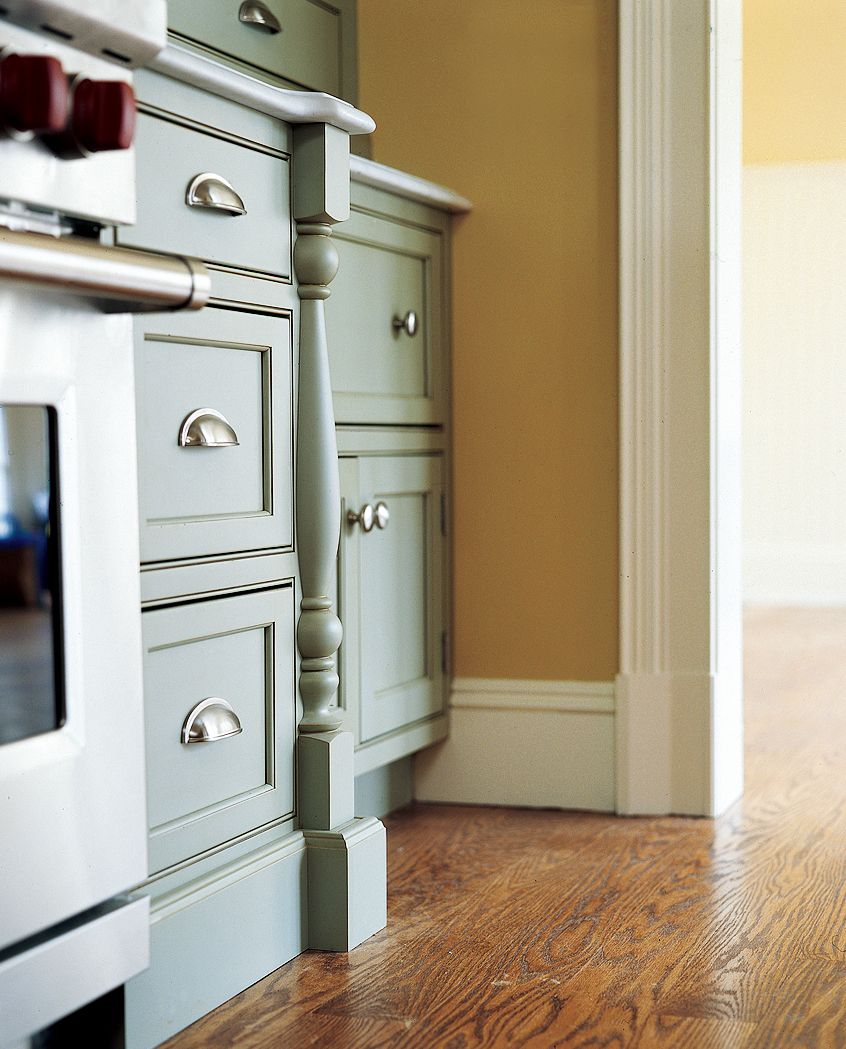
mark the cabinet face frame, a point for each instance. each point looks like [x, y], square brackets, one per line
[370, 712]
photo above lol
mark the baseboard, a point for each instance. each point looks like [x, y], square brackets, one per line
[544, 744]
[385, 789]
[794, 574]
[665, 764]
[216, 935]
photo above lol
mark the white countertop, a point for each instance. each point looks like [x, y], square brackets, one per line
[294, 107]
[304, 107]
[409, 186]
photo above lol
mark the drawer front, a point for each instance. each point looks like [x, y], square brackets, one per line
[306, 48]
[170, 157]
[239, 650]
[200, 500]
[380, 372]
[392, 594]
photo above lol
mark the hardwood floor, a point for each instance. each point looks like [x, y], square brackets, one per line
[527, 928]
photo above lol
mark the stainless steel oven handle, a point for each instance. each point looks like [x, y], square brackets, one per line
[115, 279]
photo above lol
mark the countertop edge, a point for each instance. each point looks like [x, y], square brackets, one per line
[412, 187]
[294, 107]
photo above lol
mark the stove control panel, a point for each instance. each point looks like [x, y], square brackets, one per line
[67, 122]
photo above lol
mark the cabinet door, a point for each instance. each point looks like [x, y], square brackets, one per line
[385, 323]
[392, 593]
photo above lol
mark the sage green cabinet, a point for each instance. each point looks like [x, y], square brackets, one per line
[391, 593]
[203, 194]
[309, 42]
[386, 319]
[198, 500]
[226, 667]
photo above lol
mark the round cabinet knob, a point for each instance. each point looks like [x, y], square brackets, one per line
[103, 116]
[33, 93]
[382, 515]
[365, 517]
[408, 324]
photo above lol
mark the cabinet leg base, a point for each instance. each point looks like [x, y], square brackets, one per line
[347, 884]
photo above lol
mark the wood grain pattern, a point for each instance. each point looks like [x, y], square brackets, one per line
[526, 928]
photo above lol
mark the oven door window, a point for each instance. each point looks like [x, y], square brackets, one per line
[31, 686]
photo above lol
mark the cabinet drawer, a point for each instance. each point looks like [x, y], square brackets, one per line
[306, 47]
[240, 650]
[391, 594]
[170, 158]
[196, 500]
[381, 373]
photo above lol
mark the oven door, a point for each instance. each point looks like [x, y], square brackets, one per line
[72, 799]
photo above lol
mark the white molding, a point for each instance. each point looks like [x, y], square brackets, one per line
[545, 744]
[592, 697]
[679, 721]
[380, 176]
[793, 573]
[294, 107]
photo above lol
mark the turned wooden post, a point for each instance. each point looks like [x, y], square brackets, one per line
[318, 495]
[321, 197]
[346, 856]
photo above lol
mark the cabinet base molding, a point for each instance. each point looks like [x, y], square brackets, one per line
[377, 753]
[347, 884]
[216, 935]
[385, 789]
[325, 775]
[545, 744]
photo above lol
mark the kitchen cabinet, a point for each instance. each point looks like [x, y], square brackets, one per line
[215, 432]
[389, 329]
[310, 43]
[256, 851]
[393, 598]
[249, 769]
[387, 318]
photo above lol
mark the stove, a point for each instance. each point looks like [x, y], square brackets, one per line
[72, 788]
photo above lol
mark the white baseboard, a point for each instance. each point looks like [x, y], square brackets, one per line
[678, 750]
[544, 744]
[794, 574]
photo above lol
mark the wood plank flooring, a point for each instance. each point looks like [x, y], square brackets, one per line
[525, 928]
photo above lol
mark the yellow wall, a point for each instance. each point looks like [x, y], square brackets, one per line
[513, 104]
[794, 80]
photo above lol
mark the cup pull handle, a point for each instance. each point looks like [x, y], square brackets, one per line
[214, 193]
[212, 719]
[259, 16]
[206, 428]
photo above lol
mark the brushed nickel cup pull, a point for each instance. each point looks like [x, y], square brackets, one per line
[206, 428]
[215, 193]
[365, 517]
[212, 719]
[408, 324]
[382, 515]
[259, 16]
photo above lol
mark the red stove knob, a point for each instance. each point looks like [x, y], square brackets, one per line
[33, 93]
[103, 115]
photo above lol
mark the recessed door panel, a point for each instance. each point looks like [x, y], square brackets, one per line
[399, 566]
